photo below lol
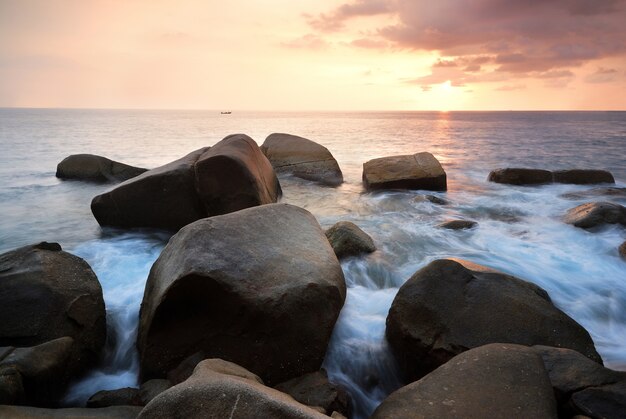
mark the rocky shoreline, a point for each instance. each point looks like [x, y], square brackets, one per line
[239, 308]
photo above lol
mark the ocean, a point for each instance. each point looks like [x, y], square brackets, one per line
[519, 231]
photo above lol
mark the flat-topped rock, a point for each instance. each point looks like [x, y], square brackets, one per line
[583, 176]
[593, 214]
[416, 171]
[458, 224]
[302, 158]
[96, 169]
[520, 176]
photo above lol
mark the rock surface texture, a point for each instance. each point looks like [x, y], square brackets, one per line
[261, 287]
[95, 168]
[232, 175]
[523, 176]
[302, 158]
[450, 306]
[347, 239]
[594, 214]
[314, 389]
[416, 171]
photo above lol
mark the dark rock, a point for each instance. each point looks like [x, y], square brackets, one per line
[417, 171]
[451, 306]
[622, 250]
[583, 177]
[458, 224]
[25, 412]
[590, 193]
[303, 158]
[211, 394]
[347, 239]
[593, 214]
[314, 389]
[48, 294]
[11, 386]
[491, 381]
[518, 176]
[432, 199]
[121, 397]
[152, 388]
[261, 287]
[232, 175]
[185, 367]
[95, 168]
[606, 402]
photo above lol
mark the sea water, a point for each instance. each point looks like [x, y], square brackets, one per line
[520, 230]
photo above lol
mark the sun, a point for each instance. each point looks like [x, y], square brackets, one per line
[446, 86]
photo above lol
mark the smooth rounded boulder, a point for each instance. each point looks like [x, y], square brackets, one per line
[491, 381]
[45, 294]
[520, 176]
[232, 175]
[347, 239]
[314, 389]
[302, 158]
[227, 392]
[450, 306]
[260, 287]
[415, 171]
[96, 169]
[594, 214]
[583, 176]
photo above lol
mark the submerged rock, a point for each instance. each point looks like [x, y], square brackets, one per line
[261, 287]
[458, 224]
[314, 389]
[232, 175]
[95, 168]
[46, 294]
[24, 412]
[491, 381]
[583, 176]
[347, 239]
[450, 306]
[432, 199]
[593, 214]
[520, 176]
[590, 193]
[622, 250]
[416, 171]
[303, 158]
[121, 397]
[214, 393]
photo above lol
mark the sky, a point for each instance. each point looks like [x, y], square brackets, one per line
[314, 54]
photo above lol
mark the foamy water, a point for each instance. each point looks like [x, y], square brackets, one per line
[519, 229]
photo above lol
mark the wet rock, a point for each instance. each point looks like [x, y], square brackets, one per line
[152, 388]
[302, 158]
[491, 381]
[622, 250]
[519, 176]
[95, 168]
[583, 176]
[590, 193]
[607, 401]
[25, 412]
[450, 306]
[232, 175]
[121, 397]
[458, 224]
[347, 239]
[431, 198]
[48, 294]
[261, 287]
[209, 393]
[314, 389]
[594, 214]
[417, 171]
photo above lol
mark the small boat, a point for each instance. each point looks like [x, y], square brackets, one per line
[226, 113]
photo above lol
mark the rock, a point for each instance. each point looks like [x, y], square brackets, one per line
[46, 294]
[458, 224]
[431, 198]
[41, 369]
[491, 381]
[347, 239]
[152, 388]
[95, 168]
[590, 193]
[519, 176]
[261, 287]
[593, 214]
[11, 386]
[121, 397]
[24, 412]
[302, 158]
[229, 176]
[583, 177]
[314, 389]
[417, 171]
[211, 394]
[185, 368]
[450, 306]
[337, 415]
[607, 401]
[622, 250]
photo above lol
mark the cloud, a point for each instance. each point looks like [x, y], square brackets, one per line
[308, 41]
[334, 20]
[602, 75]
[511, 87]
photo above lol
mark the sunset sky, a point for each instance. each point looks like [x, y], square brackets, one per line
[314, 54]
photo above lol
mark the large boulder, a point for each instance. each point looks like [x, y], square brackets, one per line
[95, 168]
[347, 239]
[450, 306]
[594, 214]
[416, 171]
[224, 393]
[583, 176]
[314, 389]
[492, 381]
[232, 175]
[115, 412]
[302, 158]
[45, 294]
[260, 287]
[520, 176]
[604, 402]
